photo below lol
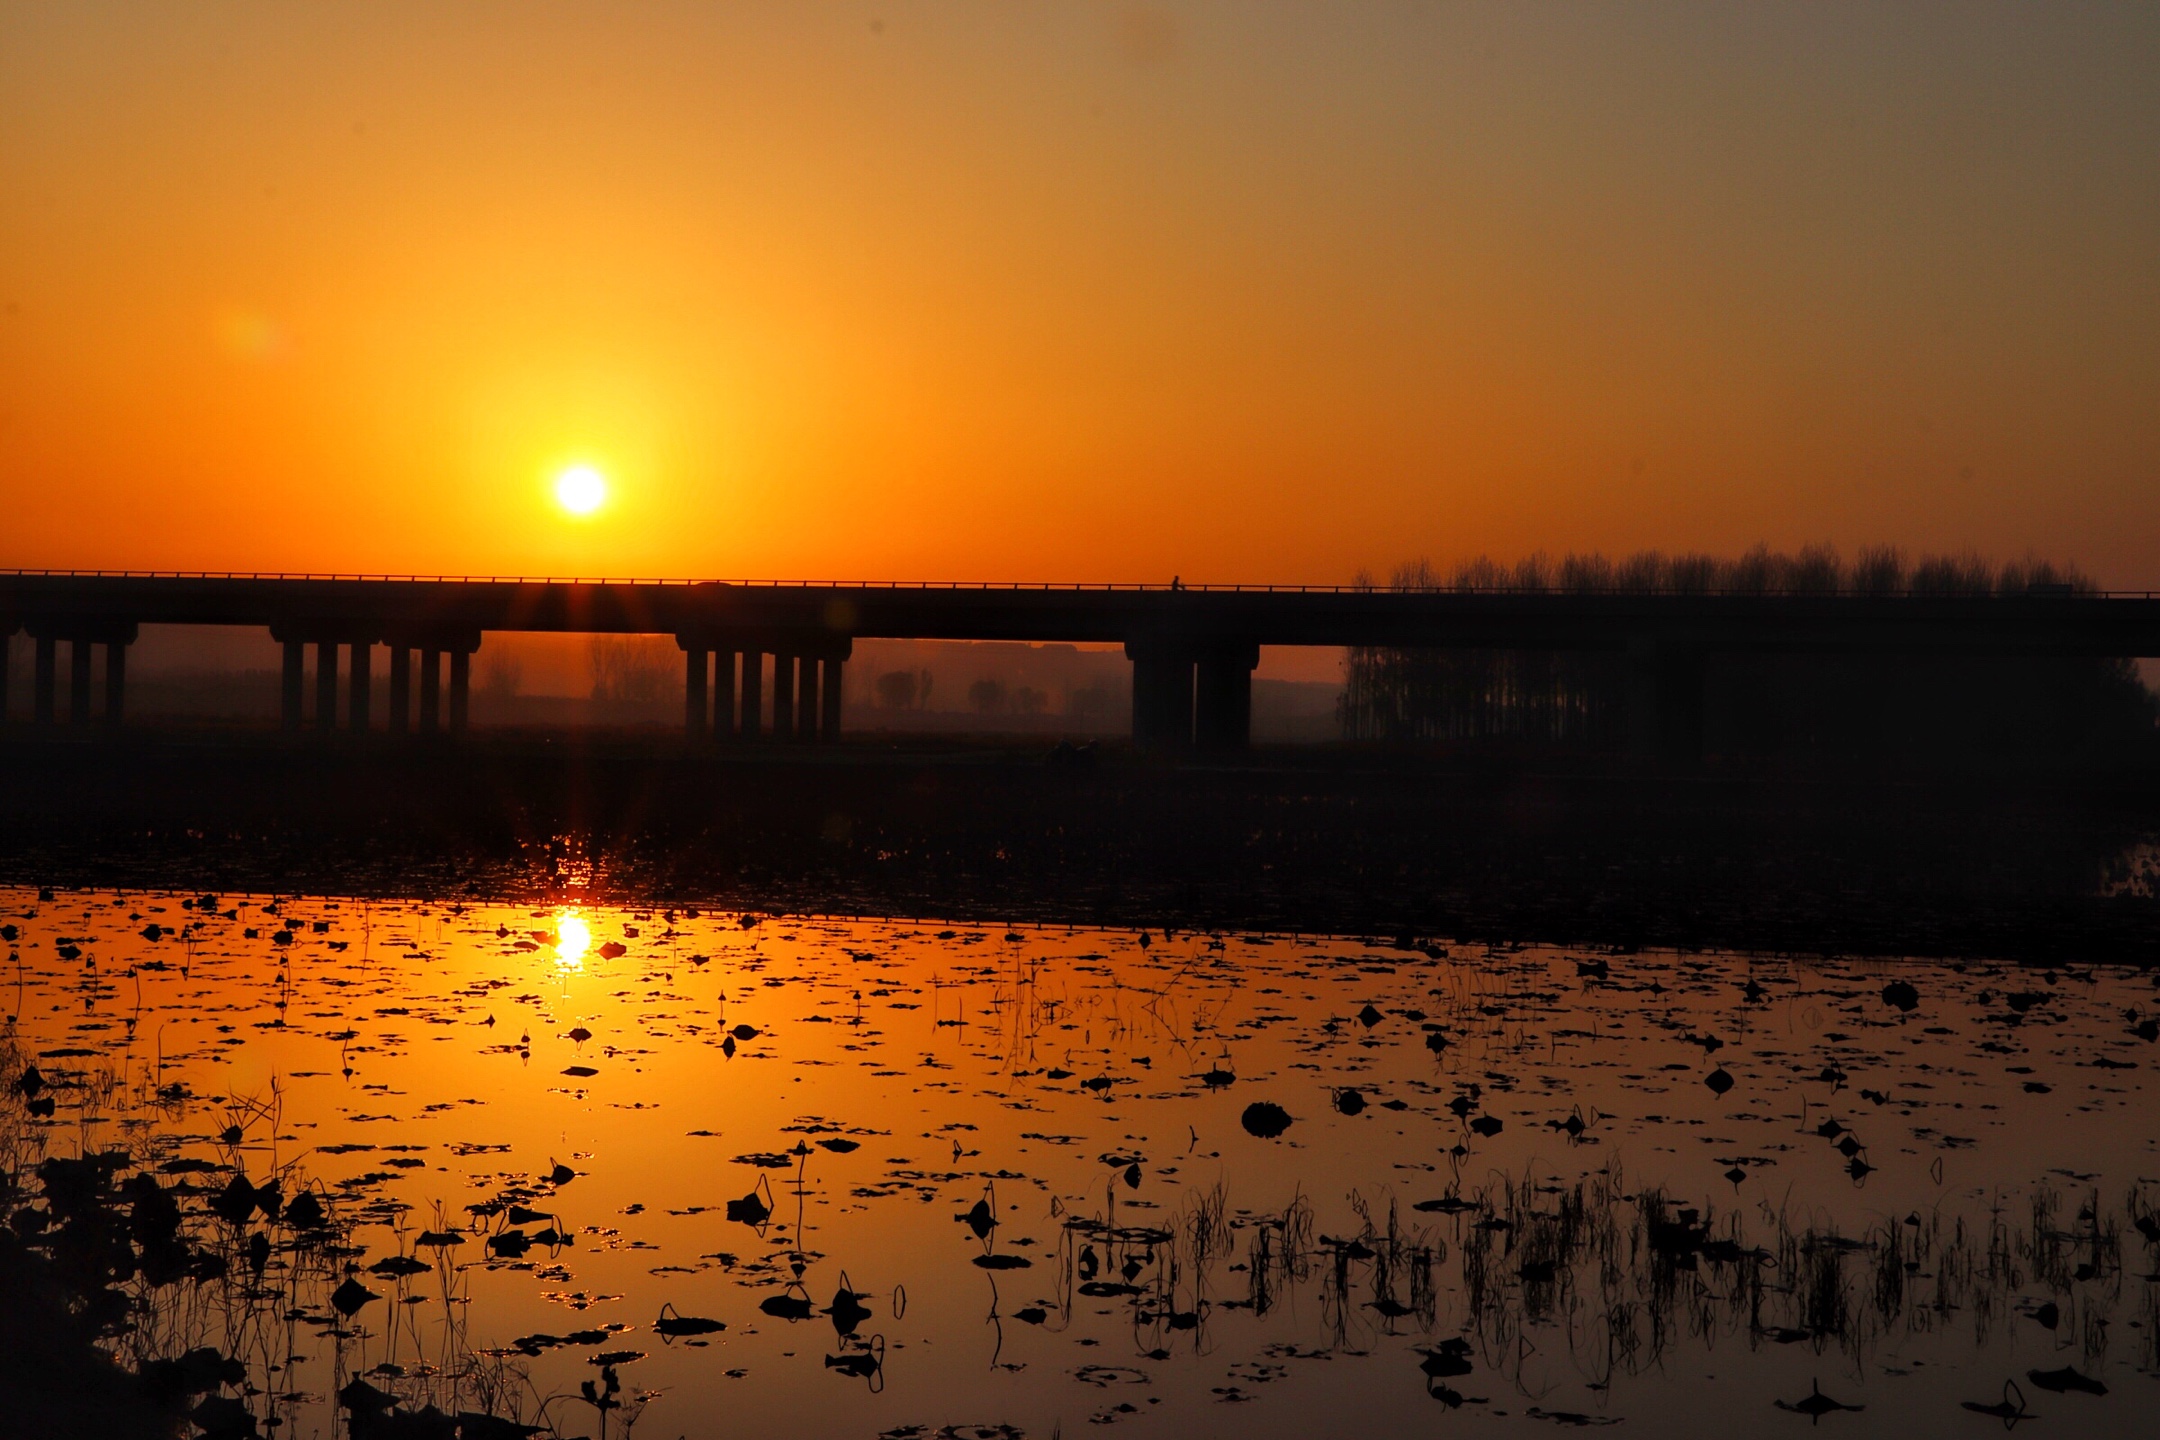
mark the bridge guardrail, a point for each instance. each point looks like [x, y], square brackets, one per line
[1067, 587]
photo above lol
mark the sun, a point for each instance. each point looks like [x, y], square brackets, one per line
[581, 489]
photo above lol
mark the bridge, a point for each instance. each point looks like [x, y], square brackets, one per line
[1193, 648]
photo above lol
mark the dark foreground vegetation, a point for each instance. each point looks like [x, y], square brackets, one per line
[2045, 865]
[145, 1294]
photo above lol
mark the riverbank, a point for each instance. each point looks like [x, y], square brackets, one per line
[2052, 868]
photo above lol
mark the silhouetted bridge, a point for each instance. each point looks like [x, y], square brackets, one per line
[1193, 649]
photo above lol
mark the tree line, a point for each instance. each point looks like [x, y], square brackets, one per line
[1755, 704]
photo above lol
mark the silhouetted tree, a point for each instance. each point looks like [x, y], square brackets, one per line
[1757, 703]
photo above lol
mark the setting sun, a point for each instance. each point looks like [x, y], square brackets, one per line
[581, 489]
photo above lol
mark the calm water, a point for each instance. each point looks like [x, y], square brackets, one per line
[1009, 1181]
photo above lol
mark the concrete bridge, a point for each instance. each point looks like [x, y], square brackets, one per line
[1193, 648]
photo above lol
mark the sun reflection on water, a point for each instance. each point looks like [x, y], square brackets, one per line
[573, 937]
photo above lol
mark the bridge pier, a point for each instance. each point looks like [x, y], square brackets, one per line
[399, 720]
[7, 647]
[358, 685]
[1222, 697]
[829, 725]
[460, 691]
[783, 697]
[1665, 702]
[78, 681]
[289, 687]
[326, 658]
[115, 682]
[697, 664]
[723, 700]
[753, 696]
[731, 688]
[43, 678]
[430, 690]
[806, 705]
[1162, 696]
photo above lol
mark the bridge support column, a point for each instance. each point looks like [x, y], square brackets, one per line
[753, 696]
[400, 717]
[78, 682]
[1222, 699]
[430, 690]
[1666, 692]
[289, 691]
[806, 707]
[696, 664]
[1162, 697]
[460, 690]
[115, 681]
[7, 647]
[358, 685]
[723, 700]
[829, 727]
[783, 697]
[326, 658]
[43, 679]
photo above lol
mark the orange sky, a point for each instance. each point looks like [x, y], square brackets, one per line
[1084, 291]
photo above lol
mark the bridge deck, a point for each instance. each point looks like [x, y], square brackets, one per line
[2090, 624]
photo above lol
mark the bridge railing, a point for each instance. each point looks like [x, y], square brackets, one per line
[1057, 586]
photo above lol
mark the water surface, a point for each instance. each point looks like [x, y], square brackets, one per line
[1010, 1181]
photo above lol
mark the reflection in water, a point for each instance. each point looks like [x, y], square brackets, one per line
[573, 937]
[334, 1164]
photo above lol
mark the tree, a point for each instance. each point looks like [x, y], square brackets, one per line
[896, 690]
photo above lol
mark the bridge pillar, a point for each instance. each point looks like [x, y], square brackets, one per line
[400, 716]
[723, 700]
[806, 708]
[460, 690]
[753, 696]
[78, 681]
[829, 728]
[7, 645]
[289, 691]
[430, 690]
[43, 679]
[696, 662]
[115, 680]
[358, 685]
[783, 697]
[1665, 703]
[1222, 700]
[1162, 696]
[326, 658]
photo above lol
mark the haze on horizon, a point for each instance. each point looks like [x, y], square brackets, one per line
[1090, 292]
